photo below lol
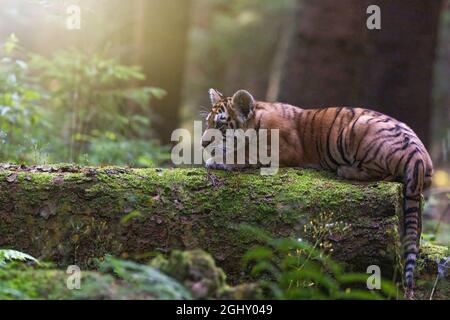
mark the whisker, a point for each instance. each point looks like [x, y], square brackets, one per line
[205, 109]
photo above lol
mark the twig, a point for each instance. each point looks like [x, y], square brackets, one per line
[434, 286]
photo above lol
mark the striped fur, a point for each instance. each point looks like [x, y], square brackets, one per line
[358, 144]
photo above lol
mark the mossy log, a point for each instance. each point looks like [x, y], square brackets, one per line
[71, 215]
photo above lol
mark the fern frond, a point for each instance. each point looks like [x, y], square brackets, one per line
[13, 255]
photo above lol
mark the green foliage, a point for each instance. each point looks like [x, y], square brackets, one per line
[436, 231]
[77, 107]
[8, 261]
[121, 151]
[196, 270]
[12, 255]
[21, 121]
[142, 278]
[294, 269]
[240, 19]
[117, 279]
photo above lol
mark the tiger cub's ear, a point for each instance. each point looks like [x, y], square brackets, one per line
[215, 96]
[243, 103]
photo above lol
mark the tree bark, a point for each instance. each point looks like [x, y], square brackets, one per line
[74, 215]
[441, 115]
[335, 60]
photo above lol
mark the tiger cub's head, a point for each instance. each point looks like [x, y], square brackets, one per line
[229, 112]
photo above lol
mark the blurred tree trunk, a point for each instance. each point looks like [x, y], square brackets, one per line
[402, 55]
[440, 152]
[335, 60]
[326, 52]
[159, 35]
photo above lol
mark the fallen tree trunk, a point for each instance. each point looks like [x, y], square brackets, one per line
[71, 215]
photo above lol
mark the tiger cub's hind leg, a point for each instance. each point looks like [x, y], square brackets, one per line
[363, 174]
[354, 173]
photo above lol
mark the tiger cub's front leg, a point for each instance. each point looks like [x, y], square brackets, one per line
[214, 164]
[219, 163]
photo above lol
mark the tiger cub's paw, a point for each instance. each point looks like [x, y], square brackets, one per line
[210, 164]
[409, 294]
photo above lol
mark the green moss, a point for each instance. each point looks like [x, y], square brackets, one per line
[427, 272]
[430, 255]
[28, 283]
[196, 270]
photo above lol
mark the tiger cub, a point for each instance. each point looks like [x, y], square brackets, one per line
[358, 144]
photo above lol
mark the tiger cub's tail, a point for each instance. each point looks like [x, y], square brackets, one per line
[417, 176]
